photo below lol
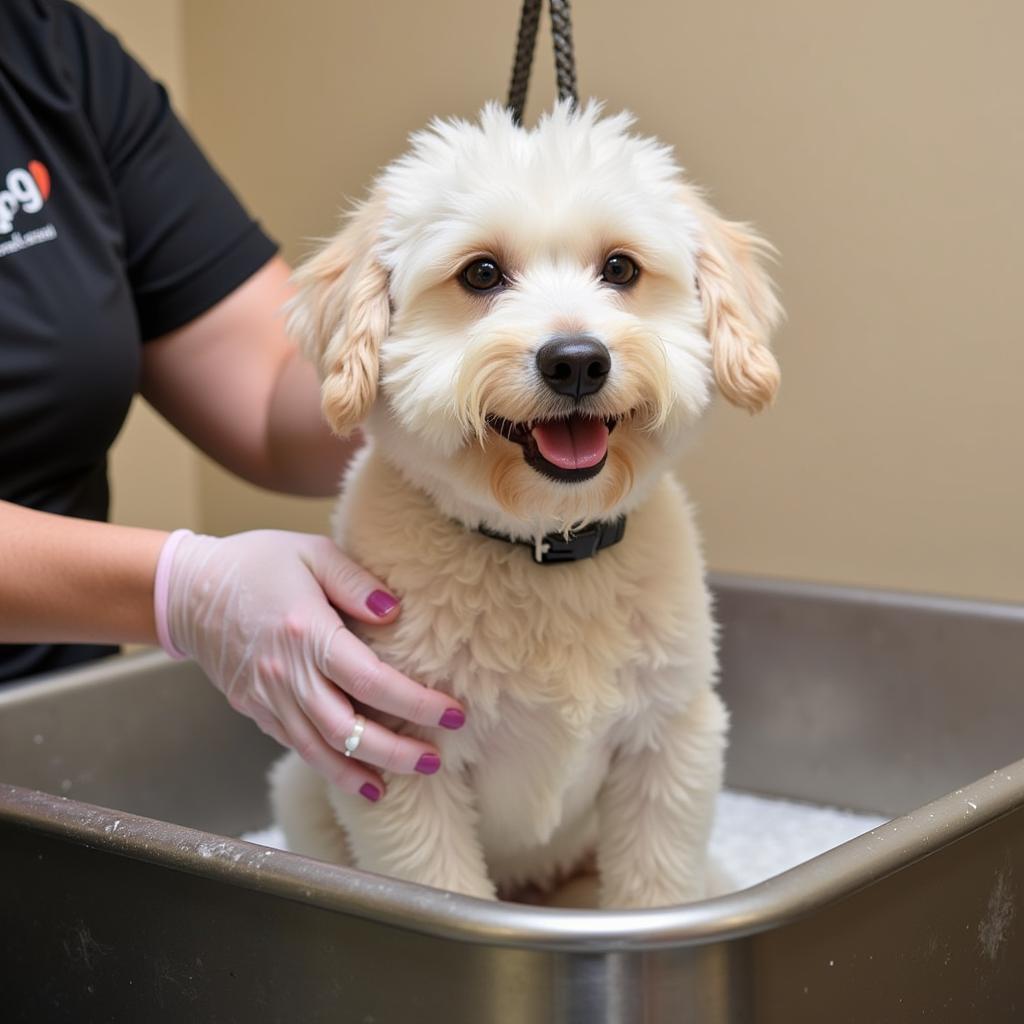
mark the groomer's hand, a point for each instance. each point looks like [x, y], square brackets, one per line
[260, 613]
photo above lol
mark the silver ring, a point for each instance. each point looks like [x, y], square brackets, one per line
[355, 736]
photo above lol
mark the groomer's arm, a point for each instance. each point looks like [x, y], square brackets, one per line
[260, 613]
[235, 385]
[75, 581]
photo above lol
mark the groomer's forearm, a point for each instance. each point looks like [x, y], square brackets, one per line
[306, 457]
[72, 581]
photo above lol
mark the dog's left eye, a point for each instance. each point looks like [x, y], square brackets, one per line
[482, 275]
[619, 269]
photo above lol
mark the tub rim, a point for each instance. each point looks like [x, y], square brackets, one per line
[832, 876]
[802, 890]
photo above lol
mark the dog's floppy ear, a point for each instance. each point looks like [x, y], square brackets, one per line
[740, 310]
[341, 315]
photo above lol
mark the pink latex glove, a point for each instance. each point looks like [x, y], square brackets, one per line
[258, 612]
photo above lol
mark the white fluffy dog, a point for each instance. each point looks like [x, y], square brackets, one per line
[529, 323]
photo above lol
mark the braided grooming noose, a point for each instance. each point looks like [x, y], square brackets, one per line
[565, 61]
[528, 22]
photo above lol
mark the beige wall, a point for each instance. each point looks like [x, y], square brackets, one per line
[879, 145]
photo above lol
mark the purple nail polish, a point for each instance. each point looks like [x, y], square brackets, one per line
[381, 603]
[428, 764]
[453, 718]
[370, 791]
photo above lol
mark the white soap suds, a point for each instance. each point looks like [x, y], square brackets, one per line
[757, 837]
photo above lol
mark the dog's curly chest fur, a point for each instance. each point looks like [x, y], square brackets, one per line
[559, 666]
[481, 620]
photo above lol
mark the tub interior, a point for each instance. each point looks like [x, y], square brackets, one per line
[846, 700]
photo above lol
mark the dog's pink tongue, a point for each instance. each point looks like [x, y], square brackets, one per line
[575, 443]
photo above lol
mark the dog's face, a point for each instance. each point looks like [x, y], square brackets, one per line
[533, 320]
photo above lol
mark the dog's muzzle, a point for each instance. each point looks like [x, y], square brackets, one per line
[574, 446]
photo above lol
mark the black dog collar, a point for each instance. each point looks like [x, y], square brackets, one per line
[580, 544]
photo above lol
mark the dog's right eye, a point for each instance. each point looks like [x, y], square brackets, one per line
[482, 275]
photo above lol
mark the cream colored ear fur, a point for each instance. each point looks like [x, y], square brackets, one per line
[740, 309]
[341, 316]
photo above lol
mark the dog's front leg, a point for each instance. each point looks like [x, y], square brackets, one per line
[422, 830]
[656, 808]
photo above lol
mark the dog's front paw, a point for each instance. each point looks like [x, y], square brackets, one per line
[481, 889]
[485, 891]
[645, 894]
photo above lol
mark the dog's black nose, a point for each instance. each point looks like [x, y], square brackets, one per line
[575, 365]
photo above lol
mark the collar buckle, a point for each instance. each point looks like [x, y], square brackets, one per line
[555, 548]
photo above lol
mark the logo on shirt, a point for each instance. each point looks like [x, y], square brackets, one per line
[25, 190]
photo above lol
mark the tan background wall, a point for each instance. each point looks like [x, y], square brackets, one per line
[879, 145]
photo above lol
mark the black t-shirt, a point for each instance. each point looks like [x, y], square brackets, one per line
[114, 230]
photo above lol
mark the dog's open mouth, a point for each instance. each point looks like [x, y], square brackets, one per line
[569, 449]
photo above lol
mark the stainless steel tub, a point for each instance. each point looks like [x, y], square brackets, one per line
[145, 912]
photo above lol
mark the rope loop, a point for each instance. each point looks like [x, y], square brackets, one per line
[565, 59]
